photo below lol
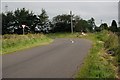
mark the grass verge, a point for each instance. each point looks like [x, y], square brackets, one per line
[12, 43]
[98, 64]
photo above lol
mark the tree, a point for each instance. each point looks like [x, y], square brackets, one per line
[43, 17]
[119, 29]
[4, 24]
[92, 25]
[97, 29]
[86, 26]
[113, 26]
[21, 16]
[24, 17]
[62, 23]
[104, 26]
[81, 26]
[44, 24]
[12, 21]
[8, 21]
[77, 19]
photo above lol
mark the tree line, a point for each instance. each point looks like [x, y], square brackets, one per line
[12, 23]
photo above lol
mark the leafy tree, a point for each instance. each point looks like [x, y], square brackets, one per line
[32, 21]
[82, 25]
[44, 24]
[92, 25]
[43, 17]
[97, 29]
[8, 22]
[4, 24]
[77, 19]
[62, 23]
[113, 26]
[104, 26]
[23, 16]
[12, 21]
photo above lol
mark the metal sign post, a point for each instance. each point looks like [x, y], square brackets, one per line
[23, 26]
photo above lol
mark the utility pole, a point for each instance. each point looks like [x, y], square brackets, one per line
[71, 22]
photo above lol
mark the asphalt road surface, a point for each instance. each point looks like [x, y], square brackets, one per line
[60, 59]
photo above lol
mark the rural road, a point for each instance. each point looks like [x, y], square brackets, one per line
[59, 59]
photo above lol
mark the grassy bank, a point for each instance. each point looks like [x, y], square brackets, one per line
[98, 64]
[12, 43]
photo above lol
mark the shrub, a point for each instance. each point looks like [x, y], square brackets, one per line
[112, 43]
[103, 35]
[118, 52]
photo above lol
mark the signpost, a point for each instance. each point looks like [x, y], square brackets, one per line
[23, 26]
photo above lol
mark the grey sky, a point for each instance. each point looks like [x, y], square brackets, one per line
[107, 11]
[59, 0]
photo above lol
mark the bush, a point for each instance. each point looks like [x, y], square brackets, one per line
[103, 35]
[118, 51]
[112, 43]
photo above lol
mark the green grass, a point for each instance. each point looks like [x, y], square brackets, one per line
[97, 64]
[12, 43]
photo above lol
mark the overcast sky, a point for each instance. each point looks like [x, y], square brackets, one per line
[61, 0]
[105, 11]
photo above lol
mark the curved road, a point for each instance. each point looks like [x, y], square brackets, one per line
[60, 59]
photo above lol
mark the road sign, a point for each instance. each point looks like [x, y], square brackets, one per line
[23, 26]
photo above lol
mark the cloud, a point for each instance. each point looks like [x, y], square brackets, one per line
[106, 11]
[60, 0]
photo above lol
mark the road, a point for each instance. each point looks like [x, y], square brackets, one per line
[60, 59]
